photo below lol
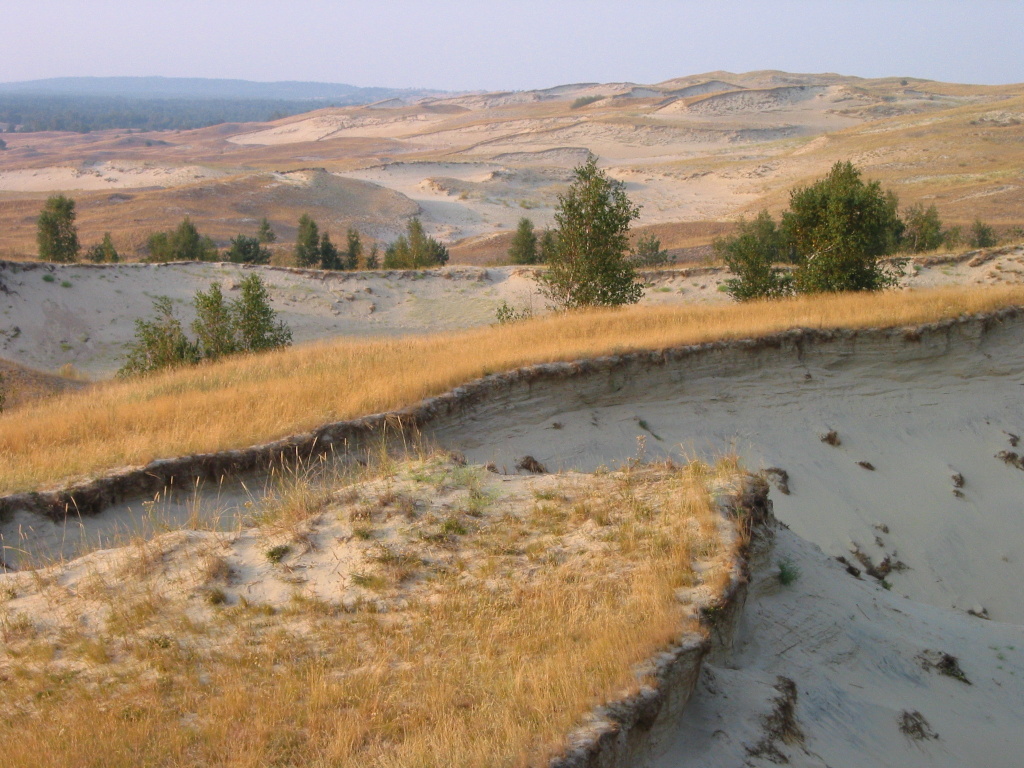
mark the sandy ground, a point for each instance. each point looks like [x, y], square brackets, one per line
[56, 315]
[99, 176]
[914, 480]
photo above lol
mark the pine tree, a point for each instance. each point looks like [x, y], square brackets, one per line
[247, 250]
[589, 266]
[373, 258]
[103, 253]
[265, 234]
[354, 249]
[523, 249]
[55, 231]
[415, 249]
[307, 244]
[329, 256]
[649, 253]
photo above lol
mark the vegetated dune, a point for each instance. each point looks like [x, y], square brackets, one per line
[896, 450]
[22, 384]
[84, 315]
[706, 140]
[403, 618]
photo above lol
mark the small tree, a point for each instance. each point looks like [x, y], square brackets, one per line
[649, 253]
[329, 256]
[589, 267]
[546, 246]
[185, 243]
[751, 254]
[213, 326]
[247, 250]
[307, 244]
[55, 231]
[265, 234]
[524, 244]
[103, 253]
[840, 227]
[159, 343]
[255, 322]
[373, 258]
[982, 235]
[353, 249]
[922, 228]
[415, 249]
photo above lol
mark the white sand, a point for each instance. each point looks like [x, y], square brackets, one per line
[109, 175]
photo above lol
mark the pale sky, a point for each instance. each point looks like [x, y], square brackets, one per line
[518, 44]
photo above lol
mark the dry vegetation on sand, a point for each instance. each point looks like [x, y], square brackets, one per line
[250, 400]
[439, 615]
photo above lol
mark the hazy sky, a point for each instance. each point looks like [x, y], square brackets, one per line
[479, 44]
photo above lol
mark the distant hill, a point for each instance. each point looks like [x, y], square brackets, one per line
[160, 103]
[204, 88]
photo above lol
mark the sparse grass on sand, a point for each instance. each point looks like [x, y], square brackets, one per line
[422, 643]
[249, 400]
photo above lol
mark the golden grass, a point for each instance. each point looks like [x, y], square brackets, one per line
[249, 400]
[489, 653]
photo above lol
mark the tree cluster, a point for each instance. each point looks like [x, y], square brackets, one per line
[415, 249]
[835, 235]
[221, 328]
[184, 243]
[315, 250]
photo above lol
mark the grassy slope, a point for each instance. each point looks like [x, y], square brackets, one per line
[248, 400]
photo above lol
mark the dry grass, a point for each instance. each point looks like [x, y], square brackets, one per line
[486, 651]
[249, 400]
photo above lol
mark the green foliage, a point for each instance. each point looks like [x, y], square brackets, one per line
[953, 237]
[329, 256]
[373, 258]
[789, 571]
[247, 324]
[583, 101]
[505, 314]
[524, 245]
[307, 244]
[183, 244]
[159, 343]
[922, 229]
[3, 145]
[214, 326]
[103, 253]
[839, 228]
[256, 325]
[55, 231]
[278, 553]
[247, 250]
[546, 246]
[353, 249]
[415, 250]
[982, 235]
[649, 253]
[751, 254]
[266, 234]
[589, 266]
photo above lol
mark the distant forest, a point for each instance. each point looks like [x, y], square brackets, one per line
[35, 112]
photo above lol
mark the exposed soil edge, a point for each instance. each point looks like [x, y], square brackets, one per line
[95, 494]
[618, 733]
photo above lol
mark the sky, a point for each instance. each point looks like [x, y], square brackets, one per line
[513, 45]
